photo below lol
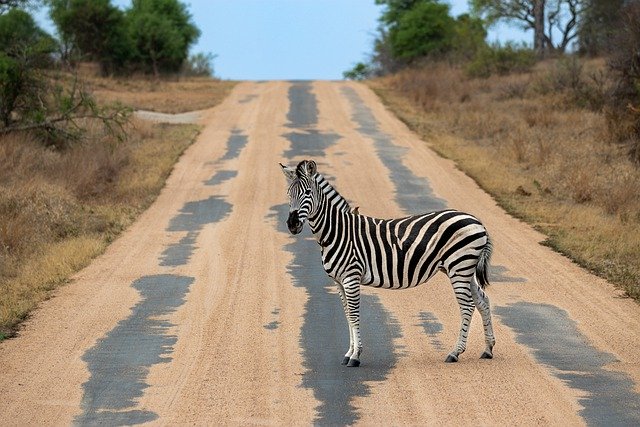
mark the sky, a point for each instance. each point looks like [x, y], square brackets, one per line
[291, 39]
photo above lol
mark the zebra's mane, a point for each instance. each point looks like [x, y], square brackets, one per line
[331, 194]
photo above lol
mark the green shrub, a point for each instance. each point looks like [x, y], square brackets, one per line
[94, 30]
[162, 32]
[24, 50]
[497, 59]
[360, 71]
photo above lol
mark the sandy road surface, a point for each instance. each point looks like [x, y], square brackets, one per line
[206, 311]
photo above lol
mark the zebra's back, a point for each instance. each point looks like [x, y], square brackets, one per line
[405, 252]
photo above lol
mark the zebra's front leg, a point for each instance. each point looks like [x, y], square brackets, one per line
[345, 307]
[351, 288]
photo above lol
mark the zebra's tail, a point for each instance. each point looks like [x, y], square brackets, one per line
[482, 267]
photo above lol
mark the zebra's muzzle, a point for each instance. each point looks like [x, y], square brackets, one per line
[293, 223]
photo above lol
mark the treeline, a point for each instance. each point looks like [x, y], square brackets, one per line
[414, 32]
[151, 36]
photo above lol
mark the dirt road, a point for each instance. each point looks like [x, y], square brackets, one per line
[206, 311]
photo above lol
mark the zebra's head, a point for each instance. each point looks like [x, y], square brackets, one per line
[302, 193]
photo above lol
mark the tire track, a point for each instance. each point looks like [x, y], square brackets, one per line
[324, 336]
[119, 363]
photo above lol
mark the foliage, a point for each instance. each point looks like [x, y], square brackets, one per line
[382, 60]
[63, 112]
[360, 71]
[395, 9]
[24, 50]
[6, 5]
[199, 65]
[30, 97]
[162, 33]
[545, 17]
[468, 38]
[495, 10]
[414, 29]
[623, 108]
[598, 25]
[18, 31]
[95, 29]
[425, 29]
[152, 36]
[501, 60]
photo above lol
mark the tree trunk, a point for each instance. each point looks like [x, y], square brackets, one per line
[538, 29]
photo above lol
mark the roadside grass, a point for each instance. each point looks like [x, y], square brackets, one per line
[164, 96]
[60, 208]
[534, 143]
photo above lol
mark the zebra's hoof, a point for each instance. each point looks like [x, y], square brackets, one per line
[452, 358]
[353, 363]
[486, 355]
[345, 360]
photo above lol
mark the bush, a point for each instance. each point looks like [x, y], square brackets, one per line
[501, 60]
[623, 107]
[579, 87]
[199, 65]
[360, 71]
[24, 50]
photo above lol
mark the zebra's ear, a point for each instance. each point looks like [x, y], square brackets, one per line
[290, 173]
[311, 168]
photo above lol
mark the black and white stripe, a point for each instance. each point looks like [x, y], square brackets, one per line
[392, 253]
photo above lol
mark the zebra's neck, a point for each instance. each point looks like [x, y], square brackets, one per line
[330, 205]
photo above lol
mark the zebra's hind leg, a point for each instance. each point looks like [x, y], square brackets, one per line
[481, 300]
[462, 288]
[345, 307]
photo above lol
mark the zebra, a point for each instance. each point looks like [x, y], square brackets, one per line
[358, 250]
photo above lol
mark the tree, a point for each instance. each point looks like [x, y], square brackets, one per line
[410, 30]
[162, 33]
[469, 37]
[95, 29]
[599, 23]
[395, 9]
[543, 16]
[7, 5]
[425, 29]
[623, 109]
[24, 50]
[30, 99]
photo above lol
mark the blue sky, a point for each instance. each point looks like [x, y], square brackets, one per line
[291, 39]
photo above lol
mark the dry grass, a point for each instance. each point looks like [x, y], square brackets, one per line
[163, 96]
[60, 208]
[170, 95]
[55, 216]
[543, 158]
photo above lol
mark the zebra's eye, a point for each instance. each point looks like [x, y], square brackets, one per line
[307, 192]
